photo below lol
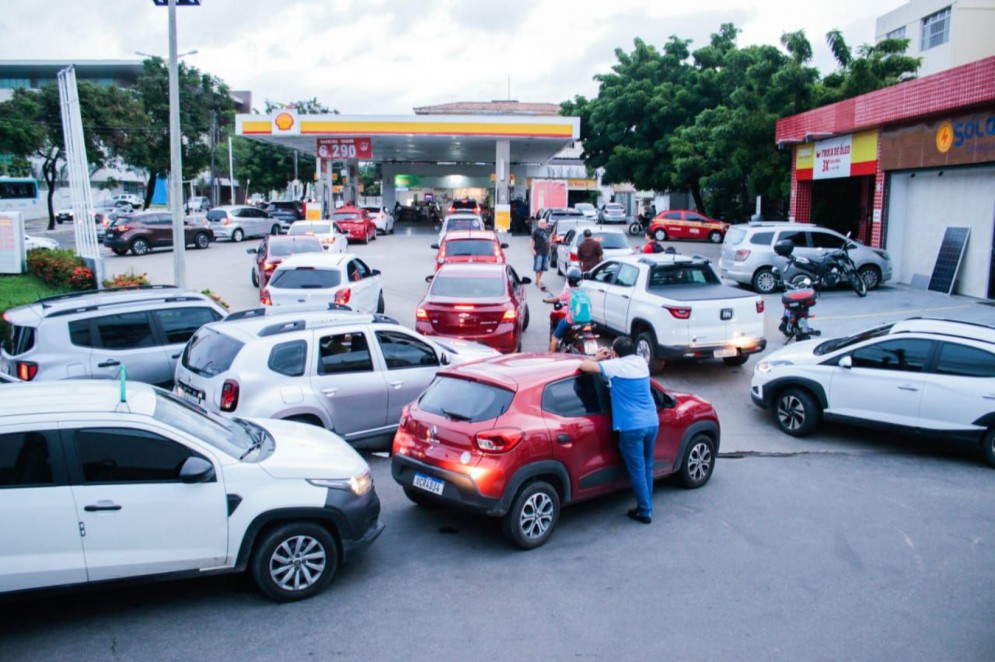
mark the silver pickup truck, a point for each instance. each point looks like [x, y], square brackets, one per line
[676, 307]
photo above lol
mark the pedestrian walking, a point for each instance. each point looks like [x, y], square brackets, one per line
[633, 416]
[540, 251]
[589, 252]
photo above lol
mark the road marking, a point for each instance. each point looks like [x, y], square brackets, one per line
[891, 312]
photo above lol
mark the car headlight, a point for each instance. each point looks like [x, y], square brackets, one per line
[767, 366]
[358, 485]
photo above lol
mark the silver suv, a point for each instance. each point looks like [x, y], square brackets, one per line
[236, 222]
[748, 255]
[349, 372]
[96, 334]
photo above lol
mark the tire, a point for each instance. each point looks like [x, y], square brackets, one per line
[237, 235]
[294, 561]
[858, 285]
[798, 280]
[275, 230]
[737, 360]
[715, 237]
[698, 462]
[533, 515]
[796, 412]
[374, 237]
[366, 239]
[871, 276]
[988, 447]
[552, 262]
[392, 229]
[764, 281]
[646, 348]
[140, 246]
[380, 303]
[635, 229]
[201, 241]
[120, 251]
[419, 498]
[255, 278]
[660, 234]
[526, 320]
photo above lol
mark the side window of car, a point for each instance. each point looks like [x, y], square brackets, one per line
[606, 272]
[124, 331]
[344, 352]
[362, 269]
[797, 237]
[352, 271]
[673, 216]
[403, 351]
[575, 397]
[24, 460]
[908, 355]
[570, 237]
[121, 455]
[179, 324]
[79, 333]
[663, 400]
[964, 361]
[762, 238]
[627, 276]
[287, 358]
[826, 240]
[515, 280]
[691, 216]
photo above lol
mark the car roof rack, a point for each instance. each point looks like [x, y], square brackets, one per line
[128, 302]
[270, 311]
[301, 324]
[948, 333]
[48, 301]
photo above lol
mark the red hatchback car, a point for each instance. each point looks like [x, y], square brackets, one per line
[687, 224]
[357, 223]
[485, 303]
[273, 249]
[518, 436]
[481, 246]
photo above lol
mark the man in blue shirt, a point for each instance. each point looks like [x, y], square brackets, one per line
[633, 416]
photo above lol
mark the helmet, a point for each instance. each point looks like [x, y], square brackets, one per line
[574, 276]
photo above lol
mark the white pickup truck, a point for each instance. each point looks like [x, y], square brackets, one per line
[675, 307]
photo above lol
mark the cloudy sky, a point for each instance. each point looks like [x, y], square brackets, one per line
[387, 56]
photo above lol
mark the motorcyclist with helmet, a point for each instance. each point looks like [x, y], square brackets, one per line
[574, 308]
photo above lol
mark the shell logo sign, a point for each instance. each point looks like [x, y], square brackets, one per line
[286, 123]
[944, 137]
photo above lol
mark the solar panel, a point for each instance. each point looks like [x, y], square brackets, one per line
[948, 260]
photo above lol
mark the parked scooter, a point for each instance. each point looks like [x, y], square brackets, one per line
[642, 223]
[579, 338]
[832, 269]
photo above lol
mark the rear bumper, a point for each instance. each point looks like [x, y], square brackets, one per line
[459, 490]
[678, 352]
[115, 242]
[504, 342]
[223, 231]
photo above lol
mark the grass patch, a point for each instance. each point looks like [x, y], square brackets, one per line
[19, 290]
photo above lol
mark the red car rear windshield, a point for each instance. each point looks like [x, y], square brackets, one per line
[468, 287]
[345, 217]
[463, 400]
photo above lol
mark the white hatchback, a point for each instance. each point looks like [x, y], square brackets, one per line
[339, 278]
[333, 239]
[614, 243]
[918, 376]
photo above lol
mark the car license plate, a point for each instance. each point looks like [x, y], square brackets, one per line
[429, 484]
[591, 347]
[725, 353]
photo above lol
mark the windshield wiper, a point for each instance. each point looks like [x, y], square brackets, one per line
[257, 435]
[454, 416]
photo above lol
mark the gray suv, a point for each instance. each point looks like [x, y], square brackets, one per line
[97, 334]
[349, 372]
[748, 255]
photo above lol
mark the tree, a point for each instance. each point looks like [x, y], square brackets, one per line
[874, 67]
[31, 126]
[205, 102]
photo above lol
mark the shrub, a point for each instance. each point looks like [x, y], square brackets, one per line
[217, 299]
[61, 268]
[127, 280]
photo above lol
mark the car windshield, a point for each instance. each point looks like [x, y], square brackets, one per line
[463, 224]
[469, 287]
[223, 434]
[839, 343]
[310, 228]
[610, 239]
[343, 216]
[305, 278]
[682, 274]
[463, 400]
[301, 245]
[471, 247]
[210, 353]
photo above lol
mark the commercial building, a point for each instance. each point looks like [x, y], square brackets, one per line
[898, 166]
[944, 33]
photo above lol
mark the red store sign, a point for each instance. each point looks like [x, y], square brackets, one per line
[345, 148]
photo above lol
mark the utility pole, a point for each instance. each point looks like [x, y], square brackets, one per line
[175, 158]
[214, 148]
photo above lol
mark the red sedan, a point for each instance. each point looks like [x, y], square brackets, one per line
[517, 436]
[485, 303]
[478, 246]
[687, 224]
[357, 223]
[273, 249]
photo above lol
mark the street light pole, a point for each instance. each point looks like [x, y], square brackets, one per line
[175, 158]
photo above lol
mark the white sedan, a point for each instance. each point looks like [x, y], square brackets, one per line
[333, 239]
[342, 279]
[32, 242]
[614, 243]
[382, 218]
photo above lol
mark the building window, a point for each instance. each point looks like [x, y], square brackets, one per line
[14, 83]
[935, 30]
[896, 34]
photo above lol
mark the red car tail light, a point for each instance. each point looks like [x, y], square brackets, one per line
[269, 266]
[510, 315]
[226, 221]
[229, 395]
[760, 305]
[679, 313]
[123, 228]
[26, 370]
[742, 254]
[342, 296]
[463, 307]
[264, 297]
[421, 314]
[573, 257]
[499, 440]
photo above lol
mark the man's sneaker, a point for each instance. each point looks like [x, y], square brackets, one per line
[634, 514]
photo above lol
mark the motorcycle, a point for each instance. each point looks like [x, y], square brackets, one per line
[832, 269]
[579, 338]
[642, 223]
[797, 299]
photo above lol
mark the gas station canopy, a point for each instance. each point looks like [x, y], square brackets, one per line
[417, 138]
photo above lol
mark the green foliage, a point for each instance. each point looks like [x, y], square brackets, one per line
[127, 280]
[61, 268]
[18, 290]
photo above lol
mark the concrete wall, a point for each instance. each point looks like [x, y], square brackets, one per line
[972, 26]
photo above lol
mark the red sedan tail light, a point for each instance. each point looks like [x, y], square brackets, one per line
[510, 315]
[229, 395]
[573, 257]
[499, 440]
[421, 314]
[269, 266]
[264, 297]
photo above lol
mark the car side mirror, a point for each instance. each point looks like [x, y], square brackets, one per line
[846, 362]
[504, 245]
[428, 279]
[445, 359]
[525, 280]
[435, 246]
[375, 272]
[586, 275]
[196, 470]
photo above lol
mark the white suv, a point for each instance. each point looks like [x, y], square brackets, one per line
[123, 481]
[339, 278]
[921, 376]
[345, 371]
